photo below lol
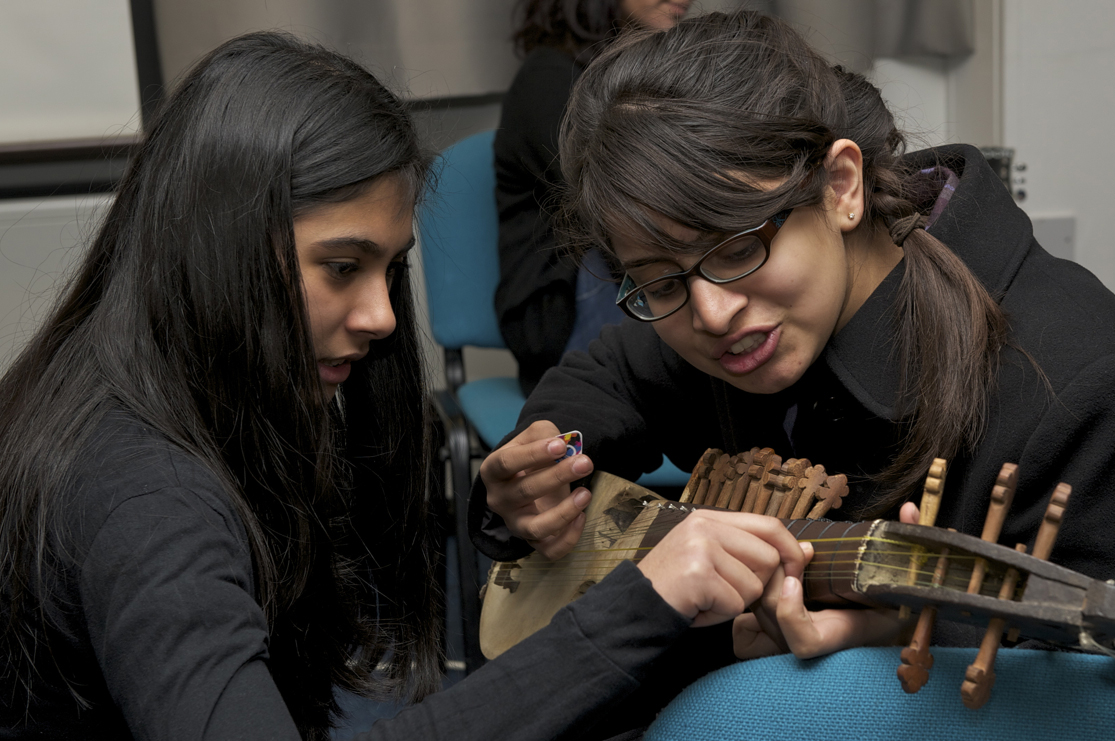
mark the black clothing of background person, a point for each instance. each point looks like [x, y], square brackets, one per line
[535, 297]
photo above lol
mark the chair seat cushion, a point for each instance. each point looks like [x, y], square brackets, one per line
[665, 475]
[855, 694]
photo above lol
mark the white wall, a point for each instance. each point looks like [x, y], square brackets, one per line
[67, 70]
[1058, 109]
[917, 92]
[39, 240]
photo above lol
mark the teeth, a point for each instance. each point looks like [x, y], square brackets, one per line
[748, 343]
[331, 364]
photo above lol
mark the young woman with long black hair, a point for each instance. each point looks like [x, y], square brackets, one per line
[546, 303]
[795, 280]
[214, 454]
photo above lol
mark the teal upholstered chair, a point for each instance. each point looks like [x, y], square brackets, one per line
[855, 695]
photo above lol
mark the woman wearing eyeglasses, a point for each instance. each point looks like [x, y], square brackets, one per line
[794, 280]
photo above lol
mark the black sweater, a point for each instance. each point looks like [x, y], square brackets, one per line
[634, 399]
[535, 297]
[157, 625]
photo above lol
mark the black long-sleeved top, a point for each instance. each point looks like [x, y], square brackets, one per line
[160, 630]
[535, 298]
[634, 399]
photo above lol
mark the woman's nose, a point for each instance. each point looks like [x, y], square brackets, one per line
[373, 315]
[714, 306]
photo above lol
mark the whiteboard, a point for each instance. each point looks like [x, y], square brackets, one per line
[67, 70]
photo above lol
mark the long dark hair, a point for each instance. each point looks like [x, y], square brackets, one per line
[663, 123]
[574, 26]
[187, 314]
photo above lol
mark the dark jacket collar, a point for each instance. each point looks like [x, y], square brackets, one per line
[982, 225]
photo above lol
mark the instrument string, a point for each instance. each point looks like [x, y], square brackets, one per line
[830, 565]
[588, 562]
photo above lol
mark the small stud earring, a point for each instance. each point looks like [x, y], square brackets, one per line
[852, 216]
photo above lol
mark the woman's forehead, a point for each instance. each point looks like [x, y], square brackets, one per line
[660, 237]
[631, 246]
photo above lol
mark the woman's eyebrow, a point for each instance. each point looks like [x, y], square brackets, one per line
[698, 246]
[644, 261]
[367, 246]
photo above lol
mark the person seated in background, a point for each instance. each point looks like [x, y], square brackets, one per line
[797, 280]
[217, 457]
[546, 303]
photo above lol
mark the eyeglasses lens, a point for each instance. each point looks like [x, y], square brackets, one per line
[733, 259]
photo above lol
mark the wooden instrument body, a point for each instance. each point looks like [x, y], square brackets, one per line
[522, 596]
[855, 564]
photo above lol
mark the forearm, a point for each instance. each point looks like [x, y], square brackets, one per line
[559, 682]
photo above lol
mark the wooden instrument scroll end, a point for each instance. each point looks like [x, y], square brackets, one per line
[980, 675]
[976, 689]
[931, 493]
[913, 672]
[927, 515]
[814, 476]
[1051, 524]
[1002, 495]
[830, 496]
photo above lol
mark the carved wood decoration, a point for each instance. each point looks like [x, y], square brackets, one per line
[760, 482]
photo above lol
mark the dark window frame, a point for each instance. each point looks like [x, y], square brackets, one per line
[78, 166]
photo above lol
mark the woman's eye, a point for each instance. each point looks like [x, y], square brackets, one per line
[341, 269]
[735, 257]
[740, 253]
[662, 291]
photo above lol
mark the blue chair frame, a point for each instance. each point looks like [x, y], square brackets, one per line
[458, 233]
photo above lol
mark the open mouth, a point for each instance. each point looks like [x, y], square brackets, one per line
[748, 343]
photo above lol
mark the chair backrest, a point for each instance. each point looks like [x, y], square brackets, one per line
[459, 229]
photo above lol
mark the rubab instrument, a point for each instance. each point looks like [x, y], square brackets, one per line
[935, 572]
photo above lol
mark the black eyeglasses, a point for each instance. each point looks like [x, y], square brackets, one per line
[737, 256]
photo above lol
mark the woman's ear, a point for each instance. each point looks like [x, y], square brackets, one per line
[845, 168]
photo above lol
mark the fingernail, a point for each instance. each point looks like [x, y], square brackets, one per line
[790, 586]
[581, 465]
[555, 447]
[807, 549]
[581, 497]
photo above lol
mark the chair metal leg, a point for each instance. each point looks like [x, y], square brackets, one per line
[468, 571]
[459, 445]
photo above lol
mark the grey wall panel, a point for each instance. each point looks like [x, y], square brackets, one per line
[425, 48]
